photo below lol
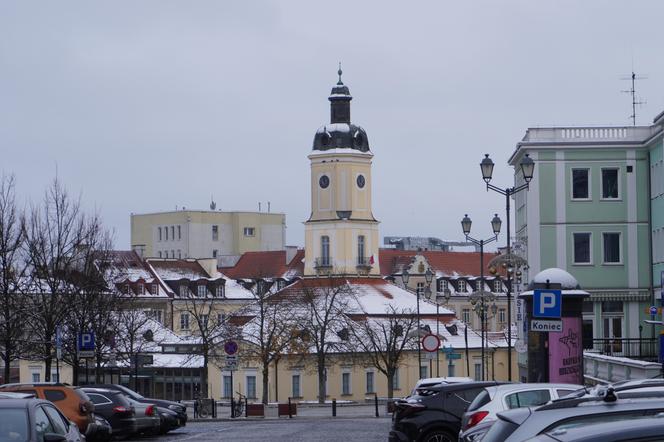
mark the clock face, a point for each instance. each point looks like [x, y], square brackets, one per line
[360, 181]
[324, 181]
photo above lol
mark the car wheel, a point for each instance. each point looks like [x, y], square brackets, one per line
[439, 436]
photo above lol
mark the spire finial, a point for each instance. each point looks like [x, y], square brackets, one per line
[339, 72]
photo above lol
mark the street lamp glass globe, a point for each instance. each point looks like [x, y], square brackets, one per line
[527, 168]
[487, 168]
[495, 224]
[405, 277]
[428, 276]
[466, 223]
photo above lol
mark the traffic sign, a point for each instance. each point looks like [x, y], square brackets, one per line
[540, 325]
[430, 343]
[453, 355]
[86, 345]
[653, 310]
[230, 347]
[231, 363]
[547, 304]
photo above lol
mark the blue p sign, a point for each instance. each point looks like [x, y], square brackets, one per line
[86, 341]
[547, 304]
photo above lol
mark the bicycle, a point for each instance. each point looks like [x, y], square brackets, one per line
[238, 406]
[200, 407]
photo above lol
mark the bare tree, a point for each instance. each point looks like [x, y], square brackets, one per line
[269, 333]
[211, 327]
[12, 268]
[383, 339]
[133, 333]
[57, 234]
[322, 303]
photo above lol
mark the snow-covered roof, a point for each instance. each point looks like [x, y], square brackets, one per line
[555, 275]
[374, 296]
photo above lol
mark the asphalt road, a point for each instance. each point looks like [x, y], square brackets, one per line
[303, 429]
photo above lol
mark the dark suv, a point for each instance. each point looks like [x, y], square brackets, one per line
[434, 413]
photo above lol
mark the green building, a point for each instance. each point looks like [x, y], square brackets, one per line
[595, 208]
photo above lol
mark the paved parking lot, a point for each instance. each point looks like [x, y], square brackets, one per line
[302, 429]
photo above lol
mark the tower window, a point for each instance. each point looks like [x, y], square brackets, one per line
[159, 230]
[360, 181]
[361, 259]
[325, 250]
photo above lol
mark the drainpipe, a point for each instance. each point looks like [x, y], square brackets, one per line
[650, 248]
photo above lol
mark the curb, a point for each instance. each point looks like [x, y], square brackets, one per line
[280, 419]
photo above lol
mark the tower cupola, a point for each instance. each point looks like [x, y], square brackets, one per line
[340, 133]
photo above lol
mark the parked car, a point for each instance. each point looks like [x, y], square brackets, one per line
[476, 433]
[178, 408]
[100, 430]
[643, 429]
[442, 380]
[71, 401]
[497, 398]
[588, 407]
[35, 420]
[147, 419]
[115, 408]
[434, 412]
[169, 420]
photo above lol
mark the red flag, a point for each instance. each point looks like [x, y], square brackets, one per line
[371, 260]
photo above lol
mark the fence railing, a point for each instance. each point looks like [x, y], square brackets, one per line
[635, 348]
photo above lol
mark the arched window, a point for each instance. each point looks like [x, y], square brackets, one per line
[360, 250]
[325, 250]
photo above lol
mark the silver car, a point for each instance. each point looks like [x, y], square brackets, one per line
[147, 417]
[499, 398]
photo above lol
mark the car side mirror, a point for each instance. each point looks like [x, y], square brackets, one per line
[54, 437]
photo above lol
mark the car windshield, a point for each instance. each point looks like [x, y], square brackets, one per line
[13, 425]
[130, 393]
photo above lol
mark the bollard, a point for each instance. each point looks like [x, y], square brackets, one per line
[290, 411]
[246, 407]
[334, 408]
[214, 408]
[376, 398]
[232, 408]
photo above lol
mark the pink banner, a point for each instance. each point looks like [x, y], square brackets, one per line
[566, 353]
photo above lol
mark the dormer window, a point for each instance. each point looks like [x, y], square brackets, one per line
[184, 290]
[497, 286]
[202, 291]
[443, 285]
[155, 289]
[462, 285]
[127, 289]
[220, 291]
[141, 289]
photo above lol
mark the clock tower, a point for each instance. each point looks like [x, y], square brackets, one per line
[341, 235]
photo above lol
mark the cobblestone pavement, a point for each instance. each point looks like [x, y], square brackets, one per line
[297, 429]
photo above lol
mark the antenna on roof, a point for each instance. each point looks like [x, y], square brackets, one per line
[632, 91]
[213, 205]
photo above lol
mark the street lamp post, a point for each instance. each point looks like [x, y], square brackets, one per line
[466, 224]
[445, 296]
[405, 277]
[527, 169]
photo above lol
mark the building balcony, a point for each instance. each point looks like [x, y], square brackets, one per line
[363, 265]
[323, 265]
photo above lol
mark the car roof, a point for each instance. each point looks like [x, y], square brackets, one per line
[463, 385]
[100, 390]
[622, 429]
[19, 403]
[14, 395]
[449, 380]
[507, 388]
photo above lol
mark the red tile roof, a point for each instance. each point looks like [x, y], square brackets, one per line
[270, 264]
[463, 263]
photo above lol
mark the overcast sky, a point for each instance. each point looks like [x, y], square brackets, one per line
[147, 105]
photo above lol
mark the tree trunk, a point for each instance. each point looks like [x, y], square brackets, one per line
[265, 383]
[7, 359]
[390, 386]
[321, 380]
[47, 364]
[204, 377]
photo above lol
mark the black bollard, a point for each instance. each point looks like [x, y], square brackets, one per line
[334, 408]
[376, 402]
[232, 408]
[246, 407]
[290, 410]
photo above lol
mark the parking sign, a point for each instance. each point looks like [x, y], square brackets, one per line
[86, 345]
[547, 304]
